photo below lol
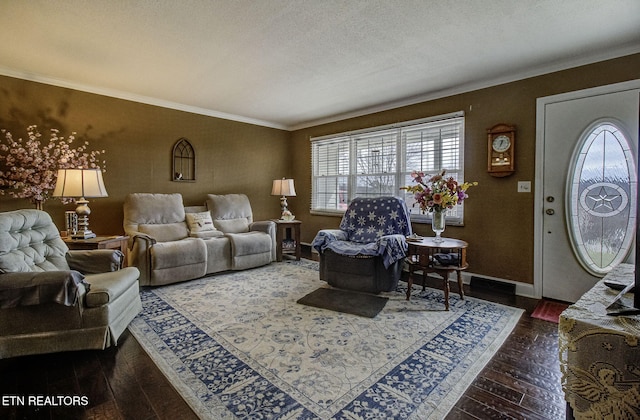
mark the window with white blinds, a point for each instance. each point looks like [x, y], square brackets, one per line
[377, 162]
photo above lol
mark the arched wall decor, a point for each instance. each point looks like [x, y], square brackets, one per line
[184, 161]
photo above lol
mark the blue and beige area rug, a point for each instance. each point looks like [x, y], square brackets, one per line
[237, 345]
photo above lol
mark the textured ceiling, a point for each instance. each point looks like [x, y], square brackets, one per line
[295, 63]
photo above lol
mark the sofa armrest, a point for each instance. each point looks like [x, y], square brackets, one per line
[266, 226]
[334, 234]
[326, 236]
[392, 248]
[95, 261]
[108, 287]
[136, 236]
[140, 255]
[33, 288]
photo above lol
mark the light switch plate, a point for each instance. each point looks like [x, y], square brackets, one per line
[524, 186]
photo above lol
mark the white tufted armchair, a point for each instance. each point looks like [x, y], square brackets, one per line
[46, 304]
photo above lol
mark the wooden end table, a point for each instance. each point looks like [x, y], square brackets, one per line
[282, 233]
[99, 242]
[422, 257]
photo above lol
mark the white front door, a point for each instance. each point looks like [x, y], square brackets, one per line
[586, 143]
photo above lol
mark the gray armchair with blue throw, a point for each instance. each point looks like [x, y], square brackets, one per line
[367, 253]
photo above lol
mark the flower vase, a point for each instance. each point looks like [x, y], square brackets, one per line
[39, 204]
[438, 224]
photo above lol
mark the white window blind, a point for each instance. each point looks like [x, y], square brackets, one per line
[331, 168]
[377, 162]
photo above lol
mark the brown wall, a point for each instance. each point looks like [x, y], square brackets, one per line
[498, 220]
[138, 139]
[239, 157]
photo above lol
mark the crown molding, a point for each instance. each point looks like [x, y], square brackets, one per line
[468, 87]
[114, 93]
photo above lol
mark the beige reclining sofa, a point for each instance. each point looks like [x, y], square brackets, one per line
[169, 242]
[53, 299]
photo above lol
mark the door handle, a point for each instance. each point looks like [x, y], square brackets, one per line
[550, 212]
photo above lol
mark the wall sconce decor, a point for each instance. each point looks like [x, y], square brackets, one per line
[80, 184]
[284, 188]
[184, 161]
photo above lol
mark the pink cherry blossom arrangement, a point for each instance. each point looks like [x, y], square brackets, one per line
[28, 168]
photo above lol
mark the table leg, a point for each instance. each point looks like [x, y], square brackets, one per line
[296, 232]
[459, 273]
[410, 282]
[279, 239]
[445, 276]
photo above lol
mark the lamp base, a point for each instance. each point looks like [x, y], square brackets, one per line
[283, 203]
[86, 234]
[83, 211]
[288, 217]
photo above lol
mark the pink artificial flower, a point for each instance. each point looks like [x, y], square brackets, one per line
[31, 166]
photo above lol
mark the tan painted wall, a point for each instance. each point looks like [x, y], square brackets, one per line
[138, 139]
[239, 157]
[498, 220]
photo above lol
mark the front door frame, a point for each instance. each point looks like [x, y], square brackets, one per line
[538, 209]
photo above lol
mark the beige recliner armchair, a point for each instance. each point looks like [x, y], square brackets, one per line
[53, 299]
[253, 243]
[159, 241]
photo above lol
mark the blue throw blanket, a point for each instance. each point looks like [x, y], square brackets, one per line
[372, 227]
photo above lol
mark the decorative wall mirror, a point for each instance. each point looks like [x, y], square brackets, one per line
[184, 161]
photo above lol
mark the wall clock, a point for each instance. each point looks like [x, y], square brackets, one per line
[500, 150]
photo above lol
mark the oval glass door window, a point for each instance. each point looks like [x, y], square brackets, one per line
[602, 203]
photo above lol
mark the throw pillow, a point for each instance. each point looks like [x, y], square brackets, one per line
[200, 222]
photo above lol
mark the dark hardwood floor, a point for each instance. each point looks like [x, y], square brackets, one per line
[521, 381]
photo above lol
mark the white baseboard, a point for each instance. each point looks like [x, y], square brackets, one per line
[522, 289]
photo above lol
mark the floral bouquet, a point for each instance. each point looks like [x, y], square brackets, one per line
[437, 193]
[28, 168]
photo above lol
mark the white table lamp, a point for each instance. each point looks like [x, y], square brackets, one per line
[80, 184]
[284, 188]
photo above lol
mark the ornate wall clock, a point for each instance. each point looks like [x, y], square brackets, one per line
[500, 150]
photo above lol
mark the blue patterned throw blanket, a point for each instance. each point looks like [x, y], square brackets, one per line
[237, 346]
[372, 227]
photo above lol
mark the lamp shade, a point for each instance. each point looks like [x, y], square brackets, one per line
[80, 183]
[283, 187]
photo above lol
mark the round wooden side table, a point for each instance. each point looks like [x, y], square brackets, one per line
[441, 258]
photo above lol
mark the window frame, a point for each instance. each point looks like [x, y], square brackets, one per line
[344, 168]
